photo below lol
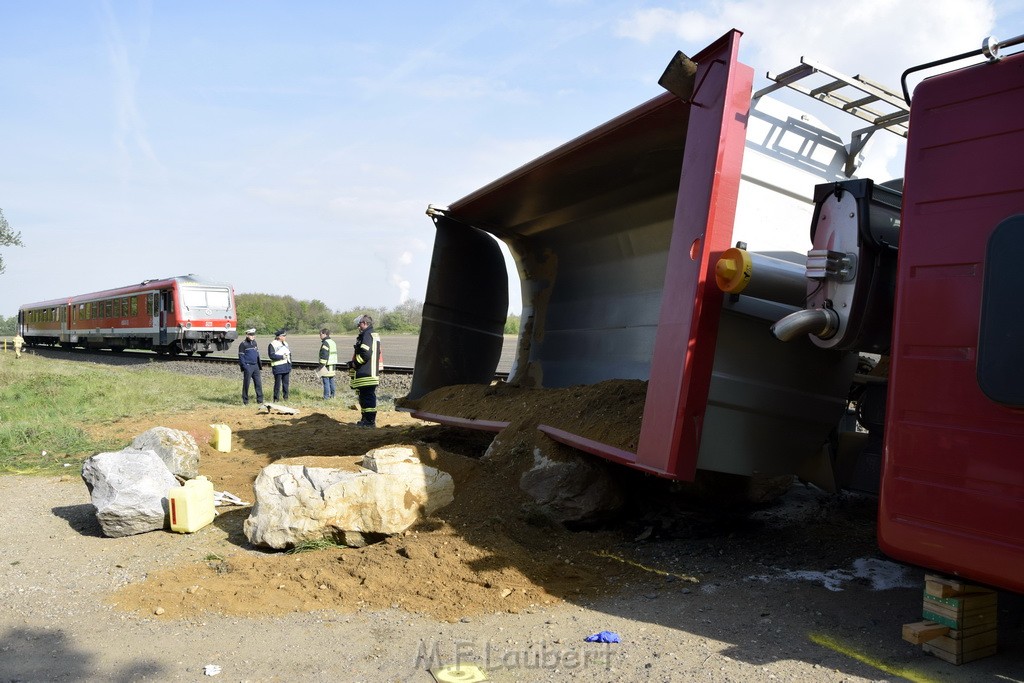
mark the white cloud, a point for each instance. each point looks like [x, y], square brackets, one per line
[647, 24]
[877, 38]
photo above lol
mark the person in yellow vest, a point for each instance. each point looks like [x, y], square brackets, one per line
[18, 342]
[328, 362]
[364, 369]
[280, 364]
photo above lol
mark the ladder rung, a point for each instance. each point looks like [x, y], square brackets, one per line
[861, 102]
[829, 87]
[894, 117]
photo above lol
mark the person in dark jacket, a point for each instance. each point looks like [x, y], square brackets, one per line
[280, 364]
[364, 369]
[249, 361]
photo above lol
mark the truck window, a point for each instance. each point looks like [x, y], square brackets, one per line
[1001, 333]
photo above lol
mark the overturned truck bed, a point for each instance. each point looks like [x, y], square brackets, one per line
[615, 236]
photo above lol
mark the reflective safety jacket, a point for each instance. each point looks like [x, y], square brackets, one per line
[328, 357]
[280, 357]
[367, 359]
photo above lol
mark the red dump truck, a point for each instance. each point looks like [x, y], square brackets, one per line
[722, 246]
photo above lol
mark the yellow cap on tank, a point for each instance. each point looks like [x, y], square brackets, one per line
[733, 270]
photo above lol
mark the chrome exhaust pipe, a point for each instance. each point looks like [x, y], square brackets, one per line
[821, 322]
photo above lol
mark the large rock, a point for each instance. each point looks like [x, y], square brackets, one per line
[390, 458]
[176, 448]
[295, 503]
[570, 488]
[129, 490]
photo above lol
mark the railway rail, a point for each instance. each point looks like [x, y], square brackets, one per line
[151, 356]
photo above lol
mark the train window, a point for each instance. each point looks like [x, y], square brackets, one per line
[124, 307]
[205, 298]
[135, 306]
[108, 305]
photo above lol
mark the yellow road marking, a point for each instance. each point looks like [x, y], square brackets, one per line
[661, 572]
[833, 644]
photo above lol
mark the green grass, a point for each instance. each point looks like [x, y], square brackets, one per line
[46, 406]
[315, 545]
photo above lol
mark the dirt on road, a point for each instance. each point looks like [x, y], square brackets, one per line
[793, 591]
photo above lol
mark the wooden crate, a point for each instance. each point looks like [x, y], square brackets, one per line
[960, 621]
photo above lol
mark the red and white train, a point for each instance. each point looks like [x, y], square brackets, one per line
[187, 314]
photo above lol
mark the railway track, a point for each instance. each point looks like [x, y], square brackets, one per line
[143, 356]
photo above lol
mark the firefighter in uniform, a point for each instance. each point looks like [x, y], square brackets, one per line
[249, 361]
[18, 341]
[364, 370]
[280, 364]
[328, 362]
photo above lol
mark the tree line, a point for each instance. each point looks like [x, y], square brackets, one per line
[269, 313]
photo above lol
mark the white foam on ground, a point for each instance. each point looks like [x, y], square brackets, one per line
[883, 574]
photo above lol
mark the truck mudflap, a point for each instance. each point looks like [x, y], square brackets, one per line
[463, 311]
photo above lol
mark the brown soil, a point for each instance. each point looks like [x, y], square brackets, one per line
[478, 555]
[609, 412]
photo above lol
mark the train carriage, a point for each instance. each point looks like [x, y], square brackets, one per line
[187, 314]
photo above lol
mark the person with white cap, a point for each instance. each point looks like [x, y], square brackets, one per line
[249, 361]
[280, 364]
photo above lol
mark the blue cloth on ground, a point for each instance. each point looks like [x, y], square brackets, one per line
[603, 637]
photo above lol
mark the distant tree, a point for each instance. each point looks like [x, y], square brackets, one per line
[315, 314]
[8, 238]
[249, 313]
[404, 318]
[8, 325]
[512, 324]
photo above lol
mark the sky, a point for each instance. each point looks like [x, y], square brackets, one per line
[292, 147]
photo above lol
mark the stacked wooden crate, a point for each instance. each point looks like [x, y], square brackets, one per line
[959, 623]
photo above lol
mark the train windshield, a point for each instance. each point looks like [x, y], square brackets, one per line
[206, 298]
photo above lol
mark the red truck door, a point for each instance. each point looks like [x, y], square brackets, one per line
[952, 489]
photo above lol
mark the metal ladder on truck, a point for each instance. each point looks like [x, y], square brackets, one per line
[881, 107]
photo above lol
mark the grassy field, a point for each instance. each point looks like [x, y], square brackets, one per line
[47, 405]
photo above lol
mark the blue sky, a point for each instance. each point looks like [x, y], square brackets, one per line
[292, 147]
